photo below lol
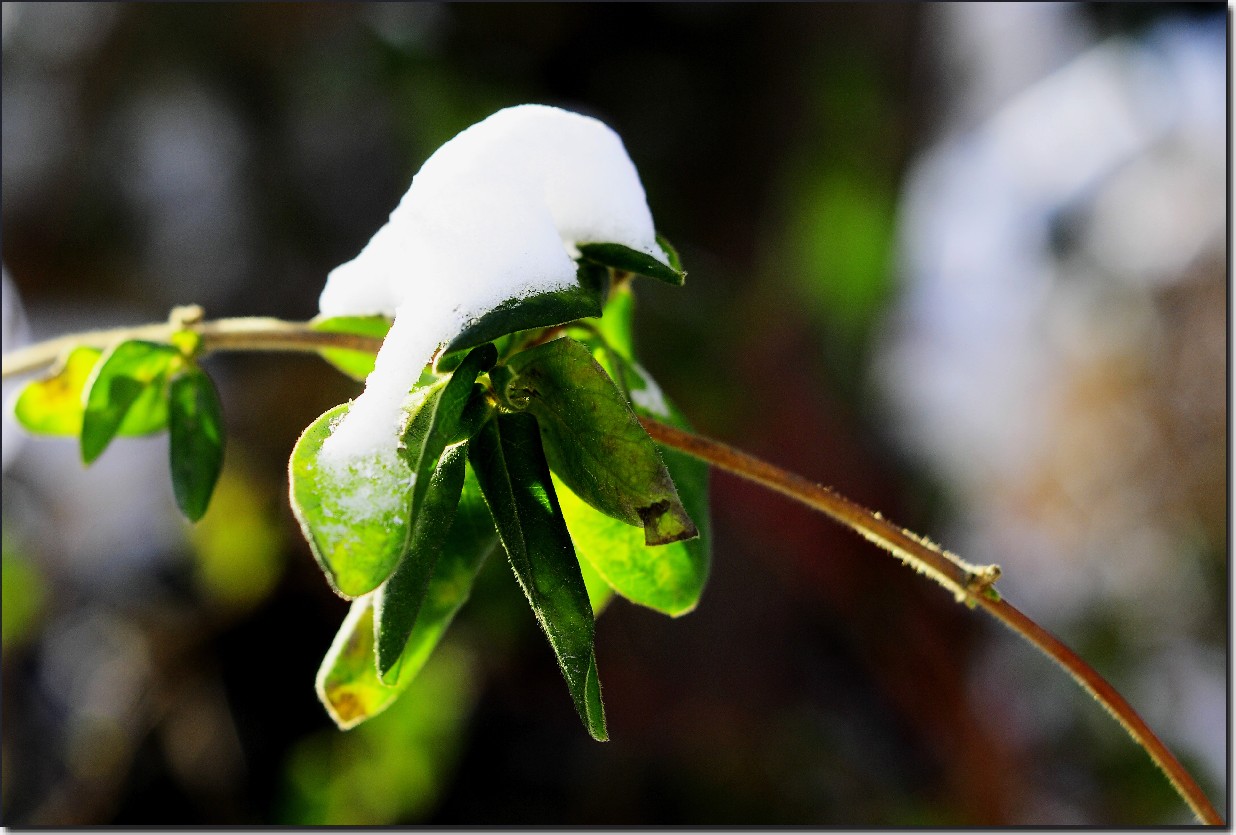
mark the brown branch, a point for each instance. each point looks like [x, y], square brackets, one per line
[971, 584]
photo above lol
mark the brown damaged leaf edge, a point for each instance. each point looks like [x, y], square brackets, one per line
[665, 522]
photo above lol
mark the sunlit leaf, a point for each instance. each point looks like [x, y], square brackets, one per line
[593, 440]
[356, 364]
[127, 386]
[347, 681]
[471, 540]
[514, 477]
[629, 260]
[195, 431]
[668, 578]
[54, 406]
[357, 537]
[398, 600]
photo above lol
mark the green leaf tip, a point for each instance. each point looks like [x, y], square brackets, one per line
[195, 430]
[625, 259]
[397, 602]
[510, 466]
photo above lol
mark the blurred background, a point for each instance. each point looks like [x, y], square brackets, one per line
[965, 263]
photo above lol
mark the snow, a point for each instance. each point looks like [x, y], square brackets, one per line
[494, 214]
[650, 398]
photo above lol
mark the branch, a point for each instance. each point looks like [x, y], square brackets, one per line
[969, 583]
[250, 333]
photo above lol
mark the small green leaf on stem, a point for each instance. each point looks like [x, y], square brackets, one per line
[593, 440]
[356, 364]
[195, 430]
[126, 388]
[510, 465]
[54, 406]
[629, 260]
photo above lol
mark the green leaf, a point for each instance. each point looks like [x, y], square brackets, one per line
[668, 578]
[195, 430]
[356, 364]
[471, 540]
[347, 682]
[629, 260]
[126, 388]
[543, 310]
[441, 422]
[54, 406]
[593, 440]
[357, 535]
[671, 254]
[398, 600]
[510, 466]
[600, 592]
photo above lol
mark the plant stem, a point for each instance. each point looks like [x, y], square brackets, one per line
[253, 333]
[971, 584]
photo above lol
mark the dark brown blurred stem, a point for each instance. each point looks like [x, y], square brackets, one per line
[971, 584]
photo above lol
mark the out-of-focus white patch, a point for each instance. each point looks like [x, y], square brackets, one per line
[650, 397]
[12, 335]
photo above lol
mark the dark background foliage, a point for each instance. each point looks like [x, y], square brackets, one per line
[231, 155]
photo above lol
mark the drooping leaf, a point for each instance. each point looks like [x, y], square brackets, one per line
[542, 310]
[127, 385]
[347, 681]
[668, 578]
[439, 422]
[469, 543]
[593, 440]
[514, 477]
[195, 431]
[356, 364]
[353, 514]
[398, 600]
[54, 406]
[629, 260]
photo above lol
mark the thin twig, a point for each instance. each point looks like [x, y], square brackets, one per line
[969, 583]
[251, 333]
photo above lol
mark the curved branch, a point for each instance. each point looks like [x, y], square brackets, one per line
[971, 584]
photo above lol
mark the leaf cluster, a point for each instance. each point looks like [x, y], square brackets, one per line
[524, 433]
